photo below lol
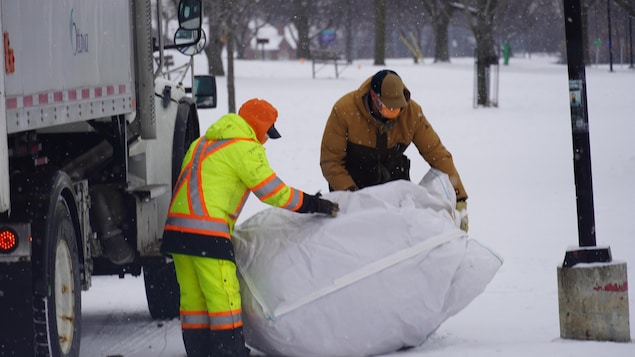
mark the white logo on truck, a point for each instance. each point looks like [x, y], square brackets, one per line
[79, 40]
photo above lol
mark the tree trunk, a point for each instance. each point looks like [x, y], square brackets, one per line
[214, 61]
[439, 13]
[441, 51]
[301, 21]
[485, 57]
[349, 30]
[380, 32]
[231, 88]
[585, 30]
[215, 43]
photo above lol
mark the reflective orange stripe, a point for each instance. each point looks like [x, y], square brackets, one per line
[269, 187]
[225, 320]
[198, 220]
[226, 326]
[195, 188]
[202, 225]
[263, 183]
[241, 205]
[195, 185]
[194, 319]
[295, 200]
[217, 145]
[198, 231]
[179, 182]
[275, 190]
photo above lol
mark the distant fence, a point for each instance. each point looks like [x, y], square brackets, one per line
[323, 58]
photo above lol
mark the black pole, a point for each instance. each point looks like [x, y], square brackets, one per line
[579, 123]
[630, 36]
[608, 14]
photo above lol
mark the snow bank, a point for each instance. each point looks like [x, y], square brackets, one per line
[382, 275]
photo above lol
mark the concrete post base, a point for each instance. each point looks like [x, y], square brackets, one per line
[593, 302]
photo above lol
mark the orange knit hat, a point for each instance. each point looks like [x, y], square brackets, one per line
[261, 116]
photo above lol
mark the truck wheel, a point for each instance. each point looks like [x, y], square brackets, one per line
[57, 295]
[162, 289]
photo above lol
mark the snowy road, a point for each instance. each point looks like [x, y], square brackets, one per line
[120, 325]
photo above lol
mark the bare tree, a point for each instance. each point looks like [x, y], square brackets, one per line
[224, 18]
[348, 27]
[627, 5]
[480, 16]
[249, 18]
[310, 18]
[300, 19]
[585, 7]
[440, 13]
[534, 25]
[380, 32]
[595, 26]
[216, 36]
[231, 10]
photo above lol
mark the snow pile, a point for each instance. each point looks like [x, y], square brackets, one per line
[382, 275]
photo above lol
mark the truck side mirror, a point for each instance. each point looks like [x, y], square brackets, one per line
[190, 14]
[190, 42]
[205, 91]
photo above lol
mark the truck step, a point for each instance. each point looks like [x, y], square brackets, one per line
[150, 192]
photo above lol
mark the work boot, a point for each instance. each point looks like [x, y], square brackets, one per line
[197, 342]
[229, 343]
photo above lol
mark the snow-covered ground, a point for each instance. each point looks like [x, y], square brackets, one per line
[516, 162]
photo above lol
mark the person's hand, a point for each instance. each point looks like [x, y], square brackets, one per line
[461, 207]
[327, 207]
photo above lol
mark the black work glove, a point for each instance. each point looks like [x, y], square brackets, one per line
[326, 207]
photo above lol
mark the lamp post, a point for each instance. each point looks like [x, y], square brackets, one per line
[630, 39]
[608, 14]
[588, 309]
[580, 128]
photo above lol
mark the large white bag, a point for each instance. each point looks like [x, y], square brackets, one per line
[384, 274]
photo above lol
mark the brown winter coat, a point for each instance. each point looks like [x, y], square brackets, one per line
[359, 151]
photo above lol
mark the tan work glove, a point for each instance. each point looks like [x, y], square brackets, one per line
[461, 207]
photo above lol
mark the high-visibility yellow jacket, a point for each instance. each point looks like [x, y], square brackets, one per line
[219, 170]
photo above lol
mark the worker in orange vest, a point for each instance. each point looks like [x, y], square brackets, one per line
[219, 171]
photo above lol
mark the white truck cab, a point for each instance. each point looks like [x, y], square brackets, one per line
[91, 142]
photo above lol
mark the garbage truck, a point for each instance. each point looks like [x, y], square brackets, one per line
[92, 136]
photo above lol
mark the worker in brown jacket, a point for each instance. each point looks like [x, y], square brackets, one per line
[368, 131]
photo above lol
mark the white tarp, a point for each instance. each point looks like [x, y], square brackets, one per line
[384, 274]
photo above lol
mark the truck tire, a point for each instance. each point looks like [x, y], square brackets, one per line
[57, 288]
[186, 130]
[162, 289]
